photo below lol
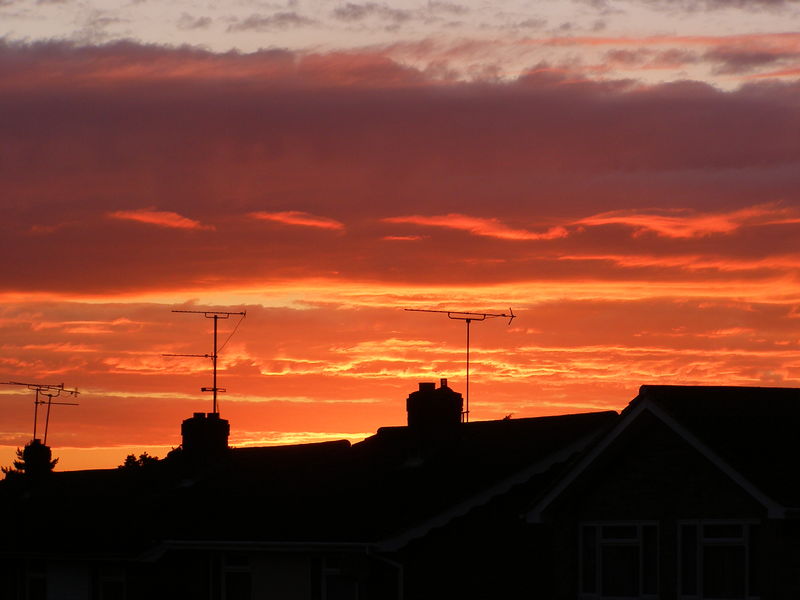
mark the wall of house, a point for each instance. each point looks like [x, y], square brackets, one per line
[287, 577]
[649, 474]
[205, 575]
[68, 581]
[10, 578]
[782, 560]
[488, 553]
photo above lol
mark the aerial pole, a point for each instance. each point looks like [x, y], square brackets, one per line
[215, 316]
[50, 391]
[468, 318]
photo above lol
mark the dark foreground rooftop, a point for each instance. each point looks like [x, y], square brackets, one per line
[333, 492]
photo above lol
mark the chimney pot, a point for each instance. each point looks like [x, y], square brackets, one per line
[443, 382]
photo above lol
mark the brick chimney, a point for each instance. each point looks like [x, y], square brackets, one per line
[205, 435]
[432, 410]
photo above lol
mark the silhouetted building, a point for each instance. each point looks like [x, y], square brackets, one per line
[694, 493]
[690, 493]
[434, 409]
[434, 415]
[205, 435]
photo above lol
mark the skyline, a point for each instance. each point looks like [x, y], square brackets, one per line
[630, 190]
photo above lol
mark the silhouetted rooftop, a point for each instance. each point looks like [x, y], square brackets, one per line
[754, 429]
[308, 493]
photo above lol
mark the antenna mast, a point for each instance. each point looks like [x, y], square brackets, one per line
[49, 390]
[216, 315]
[467, 317]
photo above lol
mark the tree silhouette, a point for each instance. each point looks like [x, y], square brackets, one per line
[131, 462]
[35, 460]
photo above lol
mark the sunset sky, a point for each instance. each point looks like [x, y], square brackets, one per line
[623, 174]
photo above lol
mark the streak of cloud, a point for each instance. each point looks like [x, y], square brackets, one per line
[160, 218]
[296, 217]
[275, 22]
[686, 224]
[479, 226]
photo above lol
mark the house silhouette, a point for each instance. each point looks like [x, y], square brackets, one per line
[690, 492]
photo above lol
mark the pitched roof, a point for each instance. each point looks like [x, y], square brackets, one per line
[753, 429]
[749, 433]
[392, 486]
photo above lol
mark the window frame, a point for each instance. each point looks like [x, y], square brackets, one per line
[599, 542]
[235, 563]
[332, 567]
[701, 541]
[109, 574]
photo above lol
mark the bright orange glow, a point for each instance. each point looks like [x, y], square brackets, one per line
[158, 217]
[294, 217]
[642, 232]
[477, 226]
[689, 225]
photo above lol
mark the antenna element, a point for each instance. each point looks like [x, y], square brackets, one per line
[49, 390]
[467, 317]
[216, 315]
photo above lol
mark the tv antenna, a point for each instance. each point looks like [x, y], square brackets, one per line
[467, 317]
[50, 391]
[216, 315]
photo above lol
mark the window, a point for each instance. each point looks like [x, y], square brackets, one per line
[109, 584]
[36, 581]
[340, 579]
[619, 560]
[718, 560]
[237, 578]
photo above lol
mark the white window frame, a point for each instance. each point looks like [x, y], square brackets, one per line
[599, 542]
[331, 567]
[702, 541]
[111, 574]
[235, 566]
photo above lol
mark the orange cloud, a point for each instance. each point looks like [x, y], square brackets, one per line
[691, 262]
[479, 226]
[296, 217]
[161, 218]
[679, 223]
[402, 238]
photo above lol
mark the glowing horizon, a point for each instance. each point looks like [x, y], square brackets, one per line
[623, 174]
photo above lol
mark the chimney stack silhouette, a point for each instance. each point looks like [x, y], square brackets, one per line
[205, 435]
[434, 411]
